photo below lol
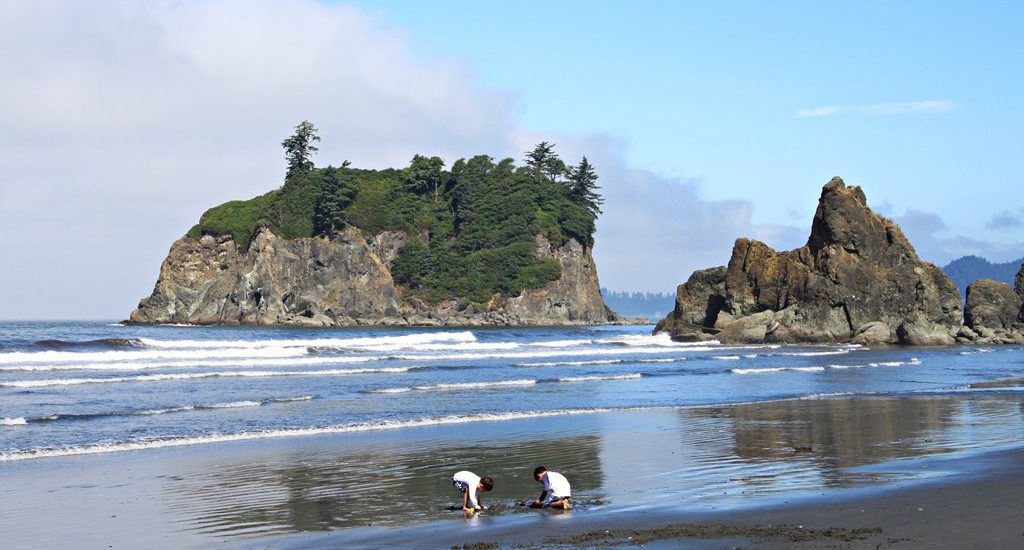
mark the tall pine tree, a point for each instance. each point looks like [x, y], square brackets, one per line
[544, 163]
[583, 187]
[299, 149]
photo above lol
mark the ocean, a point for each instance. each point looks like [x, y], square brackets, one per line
[287, 430]
[71, 388]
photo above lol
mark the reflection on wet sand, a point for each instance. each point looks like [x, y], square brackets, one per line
[716, 457]
[387, 485]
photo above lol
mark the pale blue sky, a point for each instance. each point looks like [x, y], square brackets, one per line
[711, 90]
[122, 121]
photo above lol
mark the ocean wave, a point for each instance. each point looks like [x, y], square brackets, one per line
[458, 386]
[727, 357]
[195, 376]
[196, 363]
[153, 412]
[976, 351]
[659, 339]
[461, 346]
[293, 432]
[17, 357]
[776, 369]
[817, 353]
[405, 340]
[562, 343]
[596, 378]
[599, 362]
[767, 370]
[111, 343]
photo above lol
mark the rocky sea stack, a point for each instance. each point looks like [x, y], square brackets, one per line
[857, 280]
[481, 243]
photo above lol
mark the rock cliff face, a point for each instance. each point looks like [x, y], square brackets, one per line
[857, 279]
[993, 314]
[345, 280]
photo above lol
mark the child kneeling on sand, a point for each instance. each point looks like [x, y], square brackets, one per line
[471, 485]
[556, 492]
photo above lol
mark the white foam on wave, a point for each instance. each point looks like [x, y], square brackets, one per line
[562, 343]
[19, 421]
[18, 357]
[776, 369]
[659, 339]
[595, 378]
[465, 346]
[196, 363]
[976, 351]
[193, 376]
[727, 357]
[598, 352]
[231, 405]
[459, 386]
[406, 340]
[599, 362]
[818, 353]
[911, 361]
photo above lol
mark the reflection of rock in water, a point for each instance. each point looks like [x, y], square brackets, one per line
[840, 432]
[386, 486]
[836, 434]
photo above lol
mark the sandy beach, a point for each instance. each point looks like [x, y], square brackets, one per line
[817, 473]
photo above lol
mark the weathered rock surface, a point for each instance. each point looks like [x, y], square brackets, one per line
[345, 280]
[991, 304]
[856, 279]
[993, 314]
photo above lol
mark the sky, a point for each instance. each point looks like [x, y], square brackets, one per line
[121, 122]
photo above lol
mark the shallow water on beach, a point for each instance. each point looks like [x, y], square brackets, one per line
[235, 433]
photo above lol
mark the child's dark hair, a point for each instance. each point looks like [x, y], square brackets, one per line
[539, 470]
[487, 482]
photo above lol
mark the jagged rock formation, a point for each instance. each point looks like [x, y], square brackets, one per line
[992, 314]
[857, 279]
[345, 280]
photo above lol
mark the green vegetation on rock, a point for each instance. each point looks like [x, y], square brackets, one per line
[472, 228]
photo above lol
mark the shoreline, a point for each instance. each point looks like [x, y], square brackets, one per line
[979, 505]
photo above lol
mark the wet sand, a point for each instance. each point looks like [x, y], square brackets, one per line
[980, 505]
[700, 477]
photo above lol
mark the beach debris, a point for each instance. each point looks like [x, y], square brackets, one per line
[803, 449]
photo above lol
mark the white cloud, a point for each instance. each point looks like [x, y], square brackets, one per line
[910, 107]
[120, 122]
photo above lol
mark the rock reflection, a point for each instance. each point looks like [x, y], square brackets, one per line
[388, 485]
[831, 436]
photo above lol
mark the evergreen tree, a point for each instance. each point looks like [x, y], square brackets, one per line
[334, 196]
[299, 149]
[544, 163]
[583, 187]
[424, 175]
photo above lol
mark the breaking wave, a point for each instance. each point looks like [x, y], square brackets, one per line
[911, 361]
[195, 375]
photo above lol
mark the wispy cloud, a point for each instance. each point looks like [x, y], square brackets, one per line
[905, 108]
[1006, 220]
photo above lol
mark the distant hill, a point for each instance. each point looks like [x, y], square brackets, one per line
[650, 305]
[968, 269]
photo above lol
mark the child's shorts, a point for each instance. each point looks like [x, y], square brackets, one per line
[462, 486]
[553, 498]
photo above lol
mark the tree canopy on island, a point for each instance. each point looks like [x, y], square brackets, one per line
[471, 228]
